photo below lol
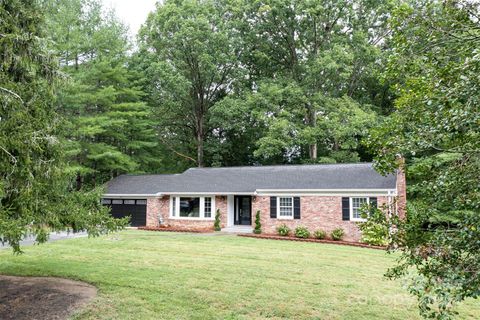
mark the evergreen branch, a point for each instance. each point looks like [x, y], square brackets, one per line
[11, 155]
[14, 160]
[12, 93]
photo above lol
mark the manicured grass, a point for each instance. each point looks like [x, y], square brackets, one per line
[151, 275]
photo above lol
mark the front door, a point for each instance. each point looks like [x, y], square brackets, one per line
[243, 210]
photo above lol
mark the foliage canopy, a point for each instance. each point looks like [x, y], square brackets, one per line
[436, 124]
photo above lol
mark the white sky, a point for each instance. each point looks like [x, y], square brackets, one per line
[132, 12]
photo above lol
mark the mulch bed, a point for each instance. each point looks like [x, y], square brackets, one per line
[263, 236]
[288, 238]
[44, 298]
[177, 229]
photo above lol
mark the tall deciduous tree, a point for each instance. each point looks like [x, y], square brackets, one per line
[437, 125]
[299, 69]
[194, 61]
[325, 52]
[34, 195]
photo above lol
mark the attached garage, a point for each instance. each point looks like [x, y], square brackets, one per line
[127, 195]
[135, 208]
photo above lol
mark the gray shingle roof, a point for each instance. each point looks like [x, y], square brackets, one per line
[139, 184]
[249, 179]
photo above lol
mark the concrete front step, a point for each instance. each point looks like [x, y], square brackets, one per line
[237, 229]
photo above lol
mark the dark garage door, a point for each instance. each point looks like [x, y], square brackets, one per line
[135, 208]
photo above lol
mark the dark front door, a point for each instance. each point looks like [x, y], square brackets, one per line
[243, 210]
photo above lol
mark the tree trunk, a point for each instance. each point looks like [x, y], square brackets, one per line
[200, 151]
[313, 151]
[311, 120]
[200, 136]
[79, 182]
[94, 178]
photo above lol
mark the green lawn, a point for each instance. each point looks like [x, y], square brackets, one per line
[149, 275]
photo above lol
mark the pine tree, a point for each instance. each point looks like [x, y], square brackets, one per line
[112, 130]
[34, 195]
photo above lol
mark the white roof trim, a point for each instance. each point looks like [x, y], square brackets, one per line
[326, 192]
[130, 196]
[323, 190]
[211, 193]
[268, 192]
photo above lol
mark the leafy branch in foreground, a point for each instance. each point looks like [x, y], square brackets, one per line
[374, 229]
[436, 125]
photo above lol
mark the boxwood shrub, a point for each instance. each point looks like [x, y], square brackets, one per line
[283, 230]
[302, 232]
[320, 234]
[337, 234]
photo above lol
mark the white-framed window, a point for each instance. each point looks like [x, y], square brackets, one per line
[189, 207]
[141, 202]
[356, 204]
[129, 201]
[173, 206]
[207, 207]
[285, 207]
[192, 207]
[117, 201]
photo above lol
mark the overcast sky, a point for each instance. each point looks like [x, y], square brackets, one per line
[132, 12]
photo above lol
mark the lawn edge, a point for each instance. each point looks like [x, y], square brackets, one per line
[288, 238]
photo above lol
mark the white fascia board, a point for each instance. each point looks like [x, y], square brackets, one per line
[209, 193]
[326, 192]
[392, 192]
[267, 192]
[130, 196]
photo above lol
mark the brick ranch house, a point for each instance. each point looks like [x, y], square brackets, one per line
[315, 196]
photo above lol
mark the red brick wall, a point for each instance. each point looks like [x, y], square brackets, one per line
[317, 212]
[221, 204]
[153, 208]
[161, 207]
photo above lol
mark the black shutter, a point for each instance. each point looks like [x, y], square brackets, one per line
[273, 207]
[373, 202]
[296, 208]
[345, 208]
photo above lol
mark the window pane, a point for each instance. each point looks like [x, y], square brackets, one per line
[117, 201]
[357, 203]
[128, 201]
[106, 201]
[141, 202]
[190, 207]
[208, 207]
[285, 202]
[286, 206]
[356, 213]
[285, 212]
